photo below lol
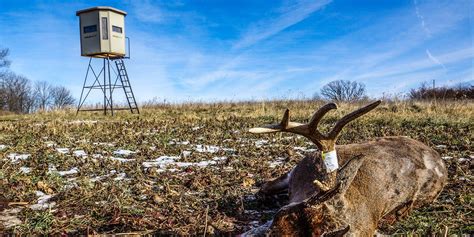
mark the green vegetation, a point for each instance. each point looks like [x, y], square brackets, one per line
[210, 166]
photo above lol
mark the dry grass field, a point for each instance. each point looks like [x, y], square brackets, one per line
[194, 168]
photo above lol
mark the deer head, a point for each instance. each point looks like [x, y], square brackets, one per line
[323, 213]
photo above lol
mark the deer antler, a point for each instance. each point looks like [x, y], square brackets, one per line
[324, 142]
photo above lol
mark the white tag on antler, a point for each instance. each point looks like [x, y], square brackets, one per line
[330, 160]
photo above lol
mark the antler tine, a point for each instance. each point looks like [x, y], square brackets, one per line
[348, 118]
[318, 115]
[272, 128]
[285, 120]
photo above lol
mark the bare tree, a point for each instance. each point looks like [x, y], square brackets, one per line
[43, 94]
[342, 90]
[4, 62]
[15, 93]
[61, 97]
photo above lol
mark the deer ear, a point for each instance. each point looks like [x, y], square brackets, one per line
[338, 233]
[346, 174]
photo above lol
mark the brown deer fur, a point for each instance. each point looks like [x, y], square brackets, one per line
[384, 178]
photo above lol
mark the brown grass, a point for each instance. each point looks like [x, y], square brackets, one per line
[181, 201]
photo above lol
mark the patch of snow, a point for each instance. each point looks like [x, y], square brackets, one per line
[42, 203]
[25, 169]
[186, 153]
[304, 149]
[441, 146]
[277, 162]
[14, 157]
[83, 122]
[99, 178]
[260, 143]
[62, 150]
[196, 128]
[124, 152]
[103, 144]
[71, 185]
[53, 169]
[50, 143]
[463, 159]
[161, 161]
[101, 202]
[206, 148]
[121, 159]
[164, 161]
[74, 170]
[447, 157]
[228, 149]
[183, 164]
[174, 142]
[206, 163]
[120, 176]
[79, 153]
[274, 164]
[219, 158]
[3, 147]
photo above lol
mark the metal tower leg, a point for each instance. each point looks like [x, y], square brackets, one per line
[107, 87]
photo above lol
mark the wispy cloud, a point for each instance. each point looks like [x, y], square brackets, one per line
[288, 16]
[145, 11]
[434, 59]
[154, 11]
[416, 65]
[422, 19]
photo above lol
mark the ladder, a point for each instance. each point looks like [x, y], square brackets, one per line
[127, 88]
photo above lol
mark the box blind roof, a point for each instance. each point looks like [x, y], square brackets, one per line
[101, 8]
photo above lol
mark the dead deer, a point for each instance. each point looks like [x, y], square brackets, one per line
[380, 179]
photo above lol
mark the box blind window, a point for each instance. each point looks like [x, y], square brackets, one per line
[117, 29]
[90, 29]
[105, 29]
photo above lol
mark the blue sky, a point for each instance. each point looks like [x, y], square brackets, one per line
[240, 50]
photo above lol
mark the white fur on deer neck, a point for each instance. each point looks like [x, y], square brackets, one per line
[330, 160]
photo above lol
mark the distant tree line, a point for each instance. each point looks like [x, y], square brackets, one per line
[351, 91]
[18, 94]
[426, 92]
